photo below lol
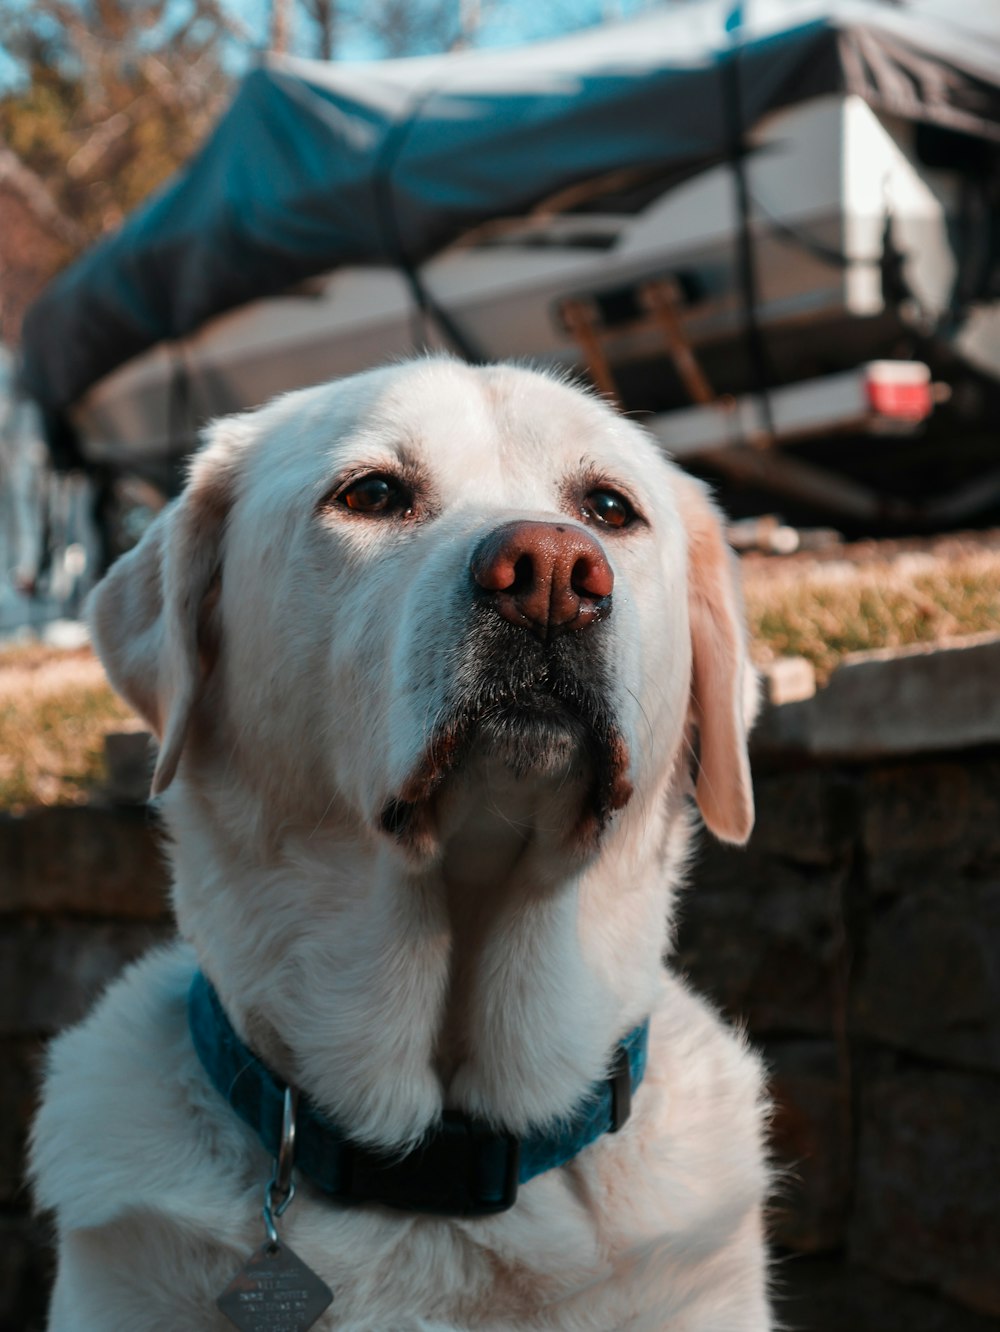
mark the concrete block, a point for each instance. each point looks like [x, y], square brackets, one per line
[51, 973]
[931, 978]
[83, 860]
[911, 700]
[26, 1269]
[129, 757]
[762, 938]
[931, 821]
[927, 1205]
[831, 1295]
[807, 817]
[20, 1071]
[788, 680]
[811, 1144]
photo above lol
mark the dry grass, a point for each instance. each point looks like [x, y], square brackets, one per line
[55, 706]
[55, 709]
[823, 610]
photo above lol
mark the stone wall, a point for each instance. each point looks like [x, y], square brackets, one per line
[858, 937]
[82, 892]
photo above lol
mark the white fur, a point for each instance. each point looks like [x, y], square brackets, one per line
[490, 966]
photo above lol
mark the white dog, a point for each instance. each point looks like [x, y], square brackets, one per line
[428, 652]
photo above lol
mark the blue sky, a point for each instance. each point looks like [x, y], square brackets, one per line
[509, 22]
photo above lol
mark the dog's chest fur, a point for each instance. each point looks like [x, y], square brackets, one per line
[635, 1236]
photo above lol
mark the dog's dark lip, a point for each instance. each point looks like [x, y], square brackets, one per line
[408, 816]
[542, 709]
[395, 817]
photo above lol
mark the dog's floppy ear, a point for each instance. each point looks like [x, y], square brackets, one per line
[722, 682]
[146, 614]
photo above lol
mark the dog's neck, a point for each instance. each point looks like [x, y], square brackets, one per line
[493, 979]
[509, 896]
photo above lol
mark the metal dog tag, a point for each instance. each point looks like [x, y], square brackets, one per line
[275, 1292]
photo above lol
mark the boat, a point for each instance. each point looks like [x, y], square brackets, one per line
[711, 208]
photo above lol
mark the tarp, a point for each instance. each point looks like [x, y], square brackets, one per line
[317, 165]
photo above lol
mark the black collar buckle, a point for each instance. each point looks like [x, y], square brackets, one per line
[461, 1168]
[620, 1082]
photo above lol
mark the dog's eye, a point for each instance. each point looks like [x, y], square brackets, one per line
[608, 507]
[375, 494]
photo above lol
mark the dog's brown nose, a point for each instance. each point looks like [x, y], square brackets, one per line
[548, 578]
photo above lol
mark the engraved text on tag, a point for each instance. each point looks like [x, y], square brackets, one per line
[275, 1292]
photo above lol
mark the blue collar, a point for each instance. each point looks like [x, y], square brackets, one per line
[463, 1167]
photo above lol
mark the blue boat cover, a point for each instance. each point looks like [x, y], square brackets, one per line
[315, 165]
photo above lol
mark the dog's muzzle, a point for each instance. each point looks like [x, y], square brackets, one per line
[531, 688]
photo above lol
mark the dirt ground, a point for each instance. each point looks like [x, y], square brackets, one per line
[39, 671]
[948, 546]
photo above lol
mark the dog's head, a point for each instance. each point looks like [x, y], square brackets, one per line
[372, 587]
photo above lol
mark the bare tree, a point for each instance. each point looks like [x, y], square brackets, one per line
[414, 27]
[325, 16]
[115, 96]
[402, 27]
[281, 25]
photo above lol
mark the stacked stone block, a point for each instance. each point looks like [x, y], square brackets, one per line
[859, 940]
[83, 891]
